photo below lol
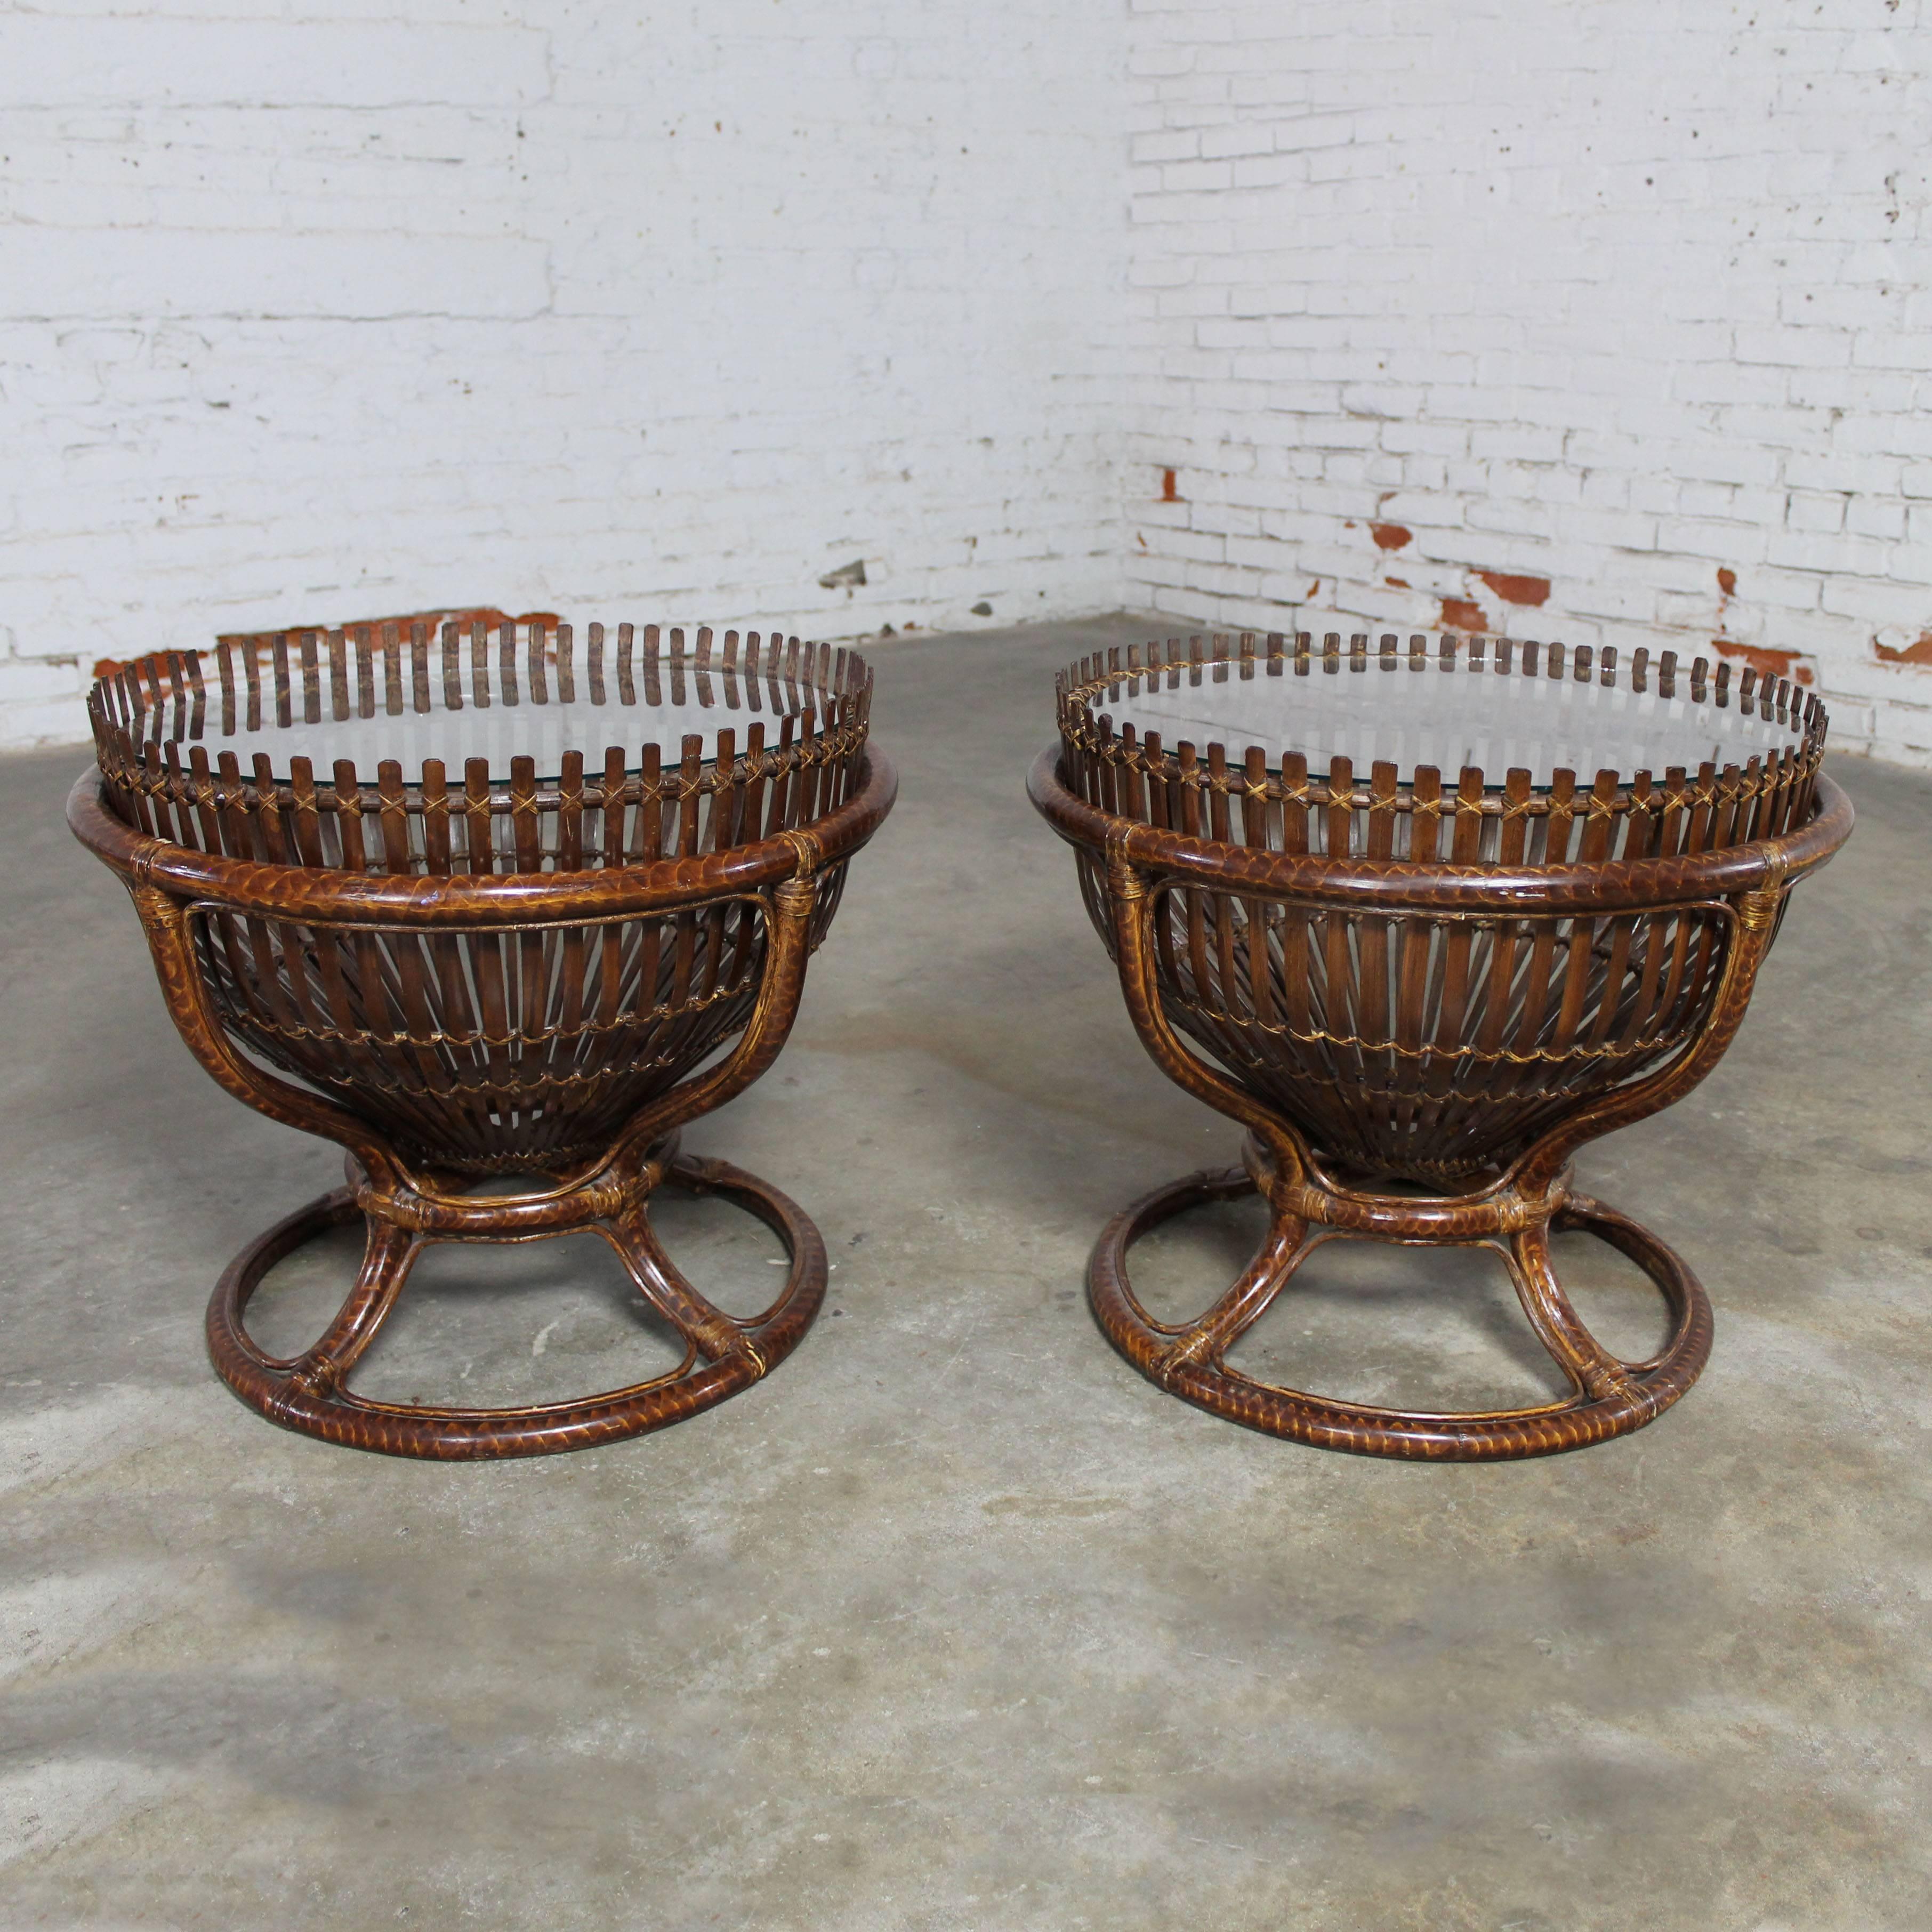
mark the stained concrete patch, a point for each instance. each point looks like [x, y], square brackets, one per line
[955, 1622]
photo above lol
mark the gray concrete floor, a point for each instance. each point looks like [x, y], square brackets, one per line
[955, 1622]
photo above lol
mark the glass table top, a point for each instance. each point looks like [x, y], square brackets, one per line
[498, 730]
[542, 733]
[1495, 720]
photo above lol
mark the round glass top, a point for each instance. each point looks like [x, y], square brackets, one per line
[1495, 720]
[457, 704]
[542, 733]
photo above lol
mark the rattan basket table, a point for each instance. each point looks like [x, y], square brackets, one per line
[1421, 994]
[480, 904]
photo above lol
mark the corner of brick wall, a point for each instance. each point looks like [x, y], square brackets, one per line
[1614, 327]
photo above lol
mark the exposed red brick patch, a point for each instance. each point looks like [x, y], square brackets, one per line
[1515, 589]
[470, 613]
[1170, 492]
[1461, 613]
[1766, 662]
[114, 667]
[1313, 588]
[1396, 583]
[1390, 536]
[1727, 582]
[485, 613]
[482, 614]
[1919, 651]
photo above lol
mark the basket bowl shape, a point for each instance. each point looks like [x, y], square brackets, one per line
[1405, 1036]
[481, 903]
[473, 1050]
[1434, 917]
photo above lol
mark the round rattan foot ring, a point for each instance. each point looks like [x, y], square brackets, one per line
[308, 1393]
[1174, 1358]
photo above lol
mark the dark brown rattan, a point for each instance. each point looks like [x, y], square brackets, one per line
[1421, 997]
[467, 977]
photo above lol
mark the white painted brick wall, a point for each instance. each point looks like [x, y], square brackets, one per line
[1615, 297]
[306, 312]
[332, 307]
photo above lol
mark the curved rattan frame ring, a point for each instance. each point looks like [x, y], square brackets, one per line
[287, 1390]
[1395, 885]
[1159, 1352]
[505, 899]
